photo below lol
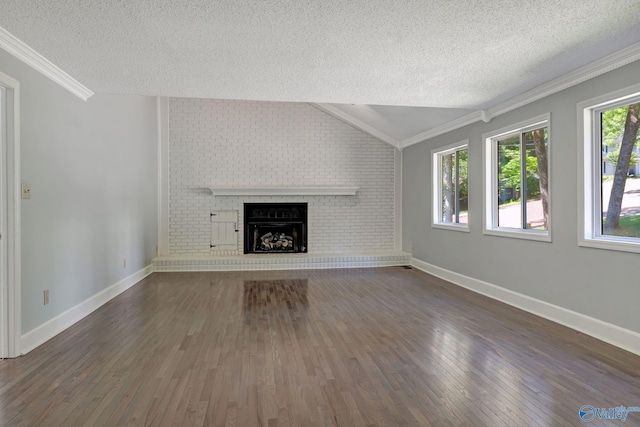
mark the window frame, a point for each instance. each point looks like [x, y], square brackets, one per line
[589, 171]
[436, 188]
[490, 181]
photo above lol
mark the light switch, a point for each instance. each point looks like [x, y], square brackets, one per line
[26, 190]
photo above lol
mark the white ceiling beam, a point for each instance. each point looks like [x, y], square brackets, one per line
[358, 124]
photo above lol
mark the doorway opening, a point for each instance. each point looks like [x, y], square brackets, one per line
[4, 331]
[10, 310]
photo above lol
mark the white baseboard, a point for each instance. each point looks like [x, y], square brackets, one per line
[615, 335]
[53, 327]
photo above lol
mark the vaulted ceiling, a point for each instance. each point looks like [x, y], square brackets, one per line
[434, 61]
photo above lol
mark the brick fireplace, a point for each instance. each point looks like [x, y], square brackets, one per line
[248, 144]
[275, 228]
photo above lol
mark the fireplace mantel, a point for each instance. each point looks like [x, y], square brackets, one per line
[283, 191]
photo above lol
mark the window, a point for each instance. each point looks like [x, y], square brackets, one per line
[608, 139]
[450, 187]
[517, 193]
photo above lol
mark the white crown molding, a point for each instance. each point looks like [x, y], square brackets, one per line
[20, 50]
[470, 118]
[608, 63]
[358, 124]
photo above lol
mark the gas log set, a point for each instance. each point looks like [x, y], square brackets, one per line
[276, 241]
[275, 227]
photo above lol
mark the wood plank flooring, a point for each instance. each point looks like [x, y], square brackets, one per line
[365, 347]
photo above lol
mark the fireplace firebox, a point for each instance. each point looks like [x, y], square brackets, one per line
[275, 228]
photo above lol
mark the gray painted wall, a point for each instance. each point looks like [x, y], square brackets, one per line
[92, 167]
[599, 283]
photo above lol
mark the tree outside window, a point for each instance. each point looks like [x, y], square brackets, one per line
[609, 152]
[516, 180]
[620, 185]
[523, 180]
[450, 186]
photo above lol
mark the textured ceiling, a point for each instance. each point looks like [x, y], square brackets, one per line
[468, 54]
[401, 122]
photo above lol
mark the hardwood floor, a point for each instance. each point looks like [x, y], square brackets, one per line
[370, 347]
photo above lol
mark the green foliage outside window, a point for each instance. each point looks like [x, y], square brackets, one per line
[509, 175]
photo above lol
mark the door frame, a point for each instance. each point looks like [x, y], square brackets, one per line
[10, 227]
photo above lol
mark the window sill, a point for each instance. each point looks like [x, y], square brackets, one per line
[540, 236]
[454, 227]
[611, 244]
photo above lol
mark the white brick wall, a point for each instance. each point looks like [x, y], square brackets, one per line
[242, 143]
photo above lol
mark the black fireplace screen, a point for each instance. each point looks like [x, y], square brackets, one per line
[275, 227]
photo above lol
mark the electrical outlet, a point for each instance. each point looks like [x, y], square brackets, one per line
[46, 296]
[26, 190]
[124, 263]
